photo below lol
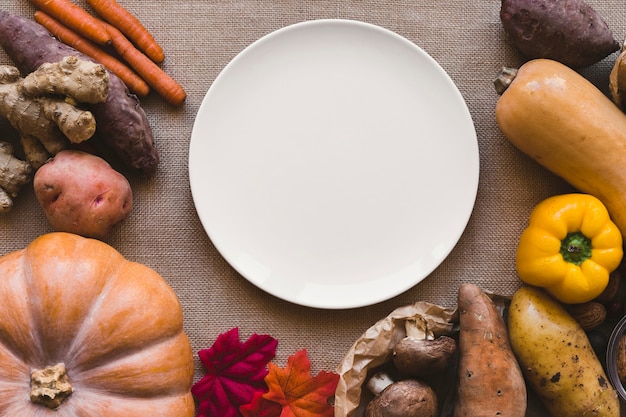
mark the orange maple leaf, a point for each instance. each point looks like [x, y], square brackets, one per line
[299, 393]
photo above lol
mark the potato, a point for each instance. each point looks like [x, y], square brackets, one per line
[81, 193]
[568, 31]
[557, 359]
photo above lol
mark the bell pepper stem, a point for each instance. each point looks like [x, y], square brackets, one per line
[576, 248]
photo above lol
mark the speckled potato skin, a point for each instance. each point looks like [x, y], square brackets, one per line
[82, 194]
[557, 358]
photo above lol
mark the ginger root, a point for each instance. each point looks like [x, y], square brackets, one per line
[84, 81]
[14, 173]
[43, 106]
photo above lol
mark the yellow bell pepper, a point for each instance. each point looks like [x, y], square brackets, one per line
[569, 248]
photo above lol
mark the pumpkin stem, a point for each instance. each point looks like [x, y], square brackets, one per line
[504, 79]
[50, 386]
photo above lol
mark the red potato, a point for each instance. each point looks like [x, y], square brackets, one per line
[568, 31]
[490, 381]
[80, 193]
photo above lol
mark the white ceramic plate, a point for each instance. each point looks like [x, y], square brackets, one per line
[334, 164]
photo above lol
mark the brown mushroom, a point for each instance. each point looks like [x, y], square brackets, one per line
[421, 357]
[404, 398]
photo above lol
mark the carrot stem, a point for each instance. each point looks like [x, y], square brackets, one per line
[129, 25]
[134, 82]
[76, 18]
[156, 78]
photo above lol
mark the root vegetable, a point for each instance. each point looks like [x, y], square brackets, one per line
[35, 152]
[49, 119]
[122, 122]
[135, 83]
[14, 174]
[84, 81]
[80, 193]
[157, 79]
[558, 360]
[568, 31]
[75, 17]
[421, 357]
[129, 25]
[490, 381]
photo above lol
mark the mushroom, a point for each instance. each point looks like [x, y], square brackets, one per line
[421, 357]
[404, 398]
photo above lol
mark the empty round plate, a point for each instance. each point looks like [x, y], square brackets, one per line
[334, 164]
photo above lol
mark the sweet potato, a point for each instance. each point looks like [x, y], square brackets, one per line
[122, 123]
[80, 193]
[568, 31]
[490, 381]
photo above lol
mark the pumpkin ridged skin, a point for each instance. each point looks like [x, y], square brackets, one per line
[116, 324]
[565, 123]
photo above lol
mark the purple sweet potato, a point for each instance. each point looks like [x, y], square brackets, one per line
[568, 31]
[122, 124]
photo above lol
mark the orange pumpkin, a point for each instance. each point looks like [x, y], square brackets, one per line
[85, 332]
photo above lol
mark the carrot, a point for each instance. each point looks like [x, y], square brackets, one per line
[156, 78]
[76, 18]
[129, 25]
[134, 82]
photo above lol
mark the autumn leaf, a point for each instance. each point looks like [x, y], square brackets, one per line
[235, 371]
[298, 393]
[261, 407]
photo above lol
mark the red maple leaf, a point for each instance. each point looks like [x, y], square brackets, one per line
[296, 391]
[261, 407]
[234, 372]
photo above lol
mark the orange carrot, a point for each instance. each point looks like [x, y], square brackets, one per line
[134, 82]
[74, 17]
[156, 78]
[129, 25]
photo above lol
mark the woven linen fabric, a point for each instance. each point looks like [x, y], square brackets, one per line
[200, 37]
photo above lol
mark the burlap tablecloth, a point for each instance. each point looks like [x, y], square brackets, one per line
[199, 38]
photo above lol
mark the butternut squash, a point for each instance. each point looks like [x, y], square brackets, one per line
[566, 124]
